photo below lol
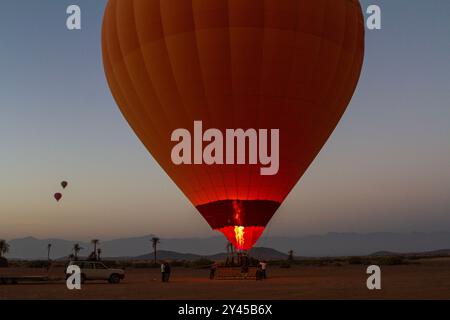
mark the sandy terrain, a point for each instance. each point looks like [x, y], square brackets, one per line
[429, 279]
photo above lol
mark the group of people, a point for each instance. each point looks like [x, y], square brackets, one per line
[261, 270]
[165, 272]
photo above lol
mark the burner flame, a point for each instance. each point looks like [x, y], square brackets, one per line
[239, 233]
[242, 237]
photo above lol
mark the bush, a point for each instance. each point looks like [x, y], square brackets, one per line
[391, 261]
[3, 262]
[355, 260]
[201, 263]
[143, 265]
[38, 264]
[178, 263]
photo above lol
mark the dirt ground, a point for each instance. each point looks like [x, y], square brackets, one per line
[428, 279]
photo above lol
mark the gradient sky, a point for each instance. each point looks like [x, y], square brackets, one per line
[386, 167]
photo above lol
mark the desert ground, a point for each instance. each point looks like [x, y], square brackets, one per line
[425, 279]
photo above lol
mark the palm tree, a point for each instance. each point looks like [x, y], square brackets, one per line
[155, 241]
[49, 247]
[99, 253]
[95, 242]
[4, 248]
[76, 249]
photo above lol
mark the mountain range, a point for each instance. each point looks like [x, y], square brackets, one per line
[257, 253]
[330, 244]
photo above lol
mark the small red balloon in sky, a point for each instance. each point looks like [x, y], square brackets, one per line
[243, 94]
[58, 196]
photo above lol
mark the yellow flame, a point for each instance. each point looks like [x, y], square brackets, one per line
[239, 232]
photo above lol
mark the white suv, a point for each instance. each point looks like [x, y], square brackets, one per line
[94, 270]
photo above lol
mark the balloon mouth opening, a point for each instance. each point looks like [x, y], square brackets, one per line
[238, 213]
[243, 238]
[241, 221]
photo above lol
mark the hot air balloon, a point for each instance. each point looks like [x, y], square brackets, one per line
[64, 184]
[57, 196]
[291, 65]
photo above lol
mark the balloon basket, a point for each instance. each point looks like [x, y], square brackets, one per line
[235, 273]
[236, 267]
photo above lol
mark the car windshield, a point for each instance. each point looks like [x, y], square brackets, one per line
[84, 265]
[100, 266]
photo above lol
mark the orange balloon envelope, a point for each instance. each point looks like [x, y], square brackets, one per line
[291, 65]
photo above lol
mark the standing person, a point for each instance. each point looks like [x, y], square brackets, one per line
[163, 272]
[263, 265]
[213, 270]
[167, 271]
[244, 266]
[259, 275]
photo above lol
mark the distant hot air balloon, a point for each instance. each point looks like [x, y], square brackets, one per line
[58, 196]
[291, 65]
[64, 184]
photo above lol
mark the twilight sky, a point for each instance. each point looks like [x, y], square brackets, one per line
[386, 167]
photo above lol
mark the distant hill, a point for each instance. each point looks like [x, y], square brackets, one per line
[169, 255]
[434, 253]
[327, 245]
[443, 252]
[260, 253]
[384, 254]
[257, 253]
[267, 254]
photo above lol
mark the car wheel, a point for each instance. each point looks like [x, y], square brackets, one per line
[114, 278]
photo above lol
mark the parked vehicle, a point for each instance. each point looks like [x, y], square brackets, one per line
[94, 270]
